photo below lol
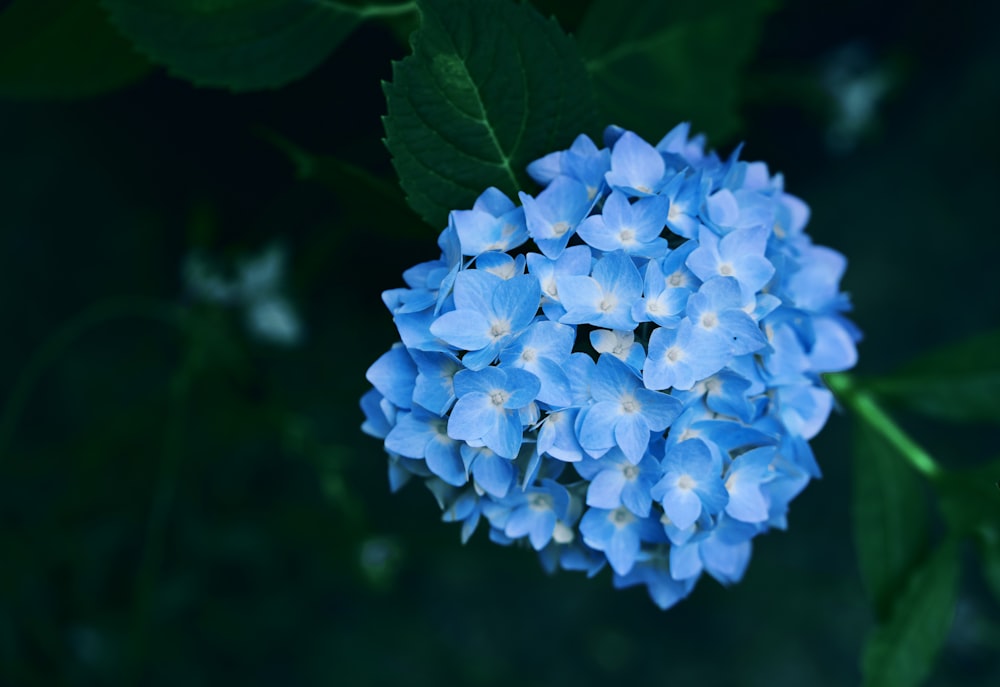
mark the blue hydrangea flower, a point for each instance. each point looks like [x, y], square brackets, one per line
[624, 370]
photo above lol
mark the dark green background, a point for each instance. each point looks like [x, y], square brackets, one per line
[271, 491]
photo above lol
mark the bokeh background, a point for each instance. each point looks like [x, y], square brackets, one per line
[186, 498]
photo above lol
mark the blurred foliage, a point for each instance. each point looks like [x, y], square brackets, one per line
[63, 49]
[685, 61]
[182, 503]
[960, 382]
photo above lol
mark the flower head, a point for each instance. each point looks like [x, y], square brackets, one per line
[657, 318]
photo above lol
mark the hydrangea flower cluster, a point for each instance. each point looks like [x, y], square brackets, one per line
[625, 368]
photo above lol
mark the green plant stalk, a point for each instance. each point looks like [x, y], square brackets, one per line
[158, 519]
[868, 410]
[65, 336]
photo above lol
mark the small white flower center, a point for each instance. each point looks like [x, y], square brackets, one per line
[709, 320]
[540, 502]
[674, 213]
[630, 471]
[726, 270]
[500, 328]
[498, 397]
[630, 405]
[560, 228]
[528, 354]
[627, 236]
[685, 482]
[607, 303]
[621, 516]
[676, 279]
[674, 353]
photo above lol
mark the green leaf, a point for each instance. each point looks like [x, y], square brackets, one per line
[970, 501]
[901, 651]
[63, 49]
[890, 517]
[989, 551]
[960, 383]
[240, 44]
[368, 197]
[658, 63]
[490, 86]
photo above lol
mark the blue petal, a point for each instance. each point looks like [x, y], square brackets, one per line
[605, 489]
[624, 547]
[494, 474]
[506, 436]
[410, 436]
[658, 408]
[632, 436]
[636, 167]
[682, 506]
[472, 418]
[474, 291]
[443, 460]
[685, 561]
[394, 375]
[465, 329]
[517, 300]
[596, 426]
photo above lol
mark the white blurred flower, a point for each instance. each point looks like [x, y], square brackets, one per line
[858, 84]
[257, 288]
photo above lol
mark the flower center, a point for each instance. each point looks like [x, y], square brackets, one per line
[560, 228]
[500, 328]
[685, 482]
[674, 354]
[726, 270]
[676, 279]
[630, 471]
[540, 502]
[621, 516]
[498, 397]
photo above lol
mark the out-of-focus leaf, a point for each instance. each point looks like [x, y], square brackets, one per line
[63, 49]
[490, 86]
[376, 204]
[970, 501]
[901, 651]
[657, 63]
[890, 517]
[238, 44]
[989, 550]
[959, 383]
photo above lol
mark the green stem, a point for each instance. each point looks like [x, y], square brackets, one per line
[54, 347]
[155, 540]
[368, 11]
[864, 404]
